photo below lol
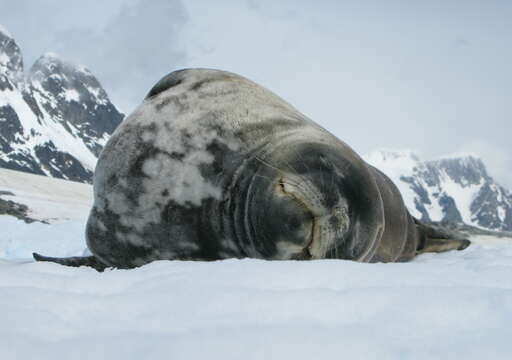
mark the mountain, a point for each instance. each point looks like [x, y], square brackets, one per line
[55, 119]
[454, 189]
[11, 61]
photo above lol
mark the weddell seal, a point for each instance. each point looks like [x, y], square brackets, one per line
[213, 166]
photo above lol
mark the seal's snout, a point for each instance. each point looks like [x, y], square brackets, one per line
[307, 225]
[304, 204]
[464, 244]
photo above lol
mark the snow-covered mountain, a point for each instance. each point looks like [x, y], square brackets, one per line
[453, 189]
[55, 119]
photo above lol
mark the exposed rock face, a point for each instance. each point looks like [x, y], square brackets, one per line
[56, 121]
[20, 211]
[453, 190]
[72, 96]
[11, 61]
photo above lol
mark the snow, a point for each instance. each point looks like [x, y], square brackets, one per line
[49, 127]
[434, 209]
[103, 140]
[20, 240]
[462, 195]
[49, 130]
[501, 213]
[49, 199]
[71, 95]
[101, 98]
[64, 204]
[50, 57]
[499, 194]
[14, 98]
[442, 306]
[54, 131]
[395, 164]
[404, 163]
[457, 155]
[4, 60]
[455, 305]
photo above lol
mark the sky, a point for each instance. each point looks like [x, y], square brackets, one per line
[430, 76]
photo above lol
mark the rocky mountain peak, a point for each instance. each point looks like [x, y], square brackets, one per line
[11, 60]
[72, 95]
[69, 81]
[396, 162]
[56, 121]
[454, 188]
[465, 170]
[52, 66]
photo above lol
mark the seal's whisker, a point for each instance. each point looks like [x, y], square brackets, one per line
[290, 166]
[284, 174]
[299, 155]
[333, 184]
[269, 165]
[322, 180]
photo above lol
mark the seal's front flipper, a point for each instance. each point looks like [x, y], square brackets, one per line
[441, 245]
[77, 261]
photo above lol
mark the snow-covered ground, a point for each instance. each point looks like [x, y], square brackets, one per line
[455, 305]
[49, 199]
[64, 204]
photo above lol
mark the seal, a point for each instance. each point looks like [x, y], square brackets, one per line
[213, 166]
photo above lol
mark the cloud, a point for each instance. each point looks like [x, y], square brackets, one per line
[133, 50]
[127, 44]
[461, 42]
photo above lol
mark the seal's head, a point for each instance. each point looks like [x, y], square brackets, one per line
[304, 201]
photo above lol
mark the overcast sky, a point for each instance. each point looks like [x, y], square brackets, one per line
[431, 76]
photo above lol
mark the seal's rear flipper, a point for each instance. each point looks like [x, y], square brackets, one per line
[438, 239]
[77, 261]
[441, 245]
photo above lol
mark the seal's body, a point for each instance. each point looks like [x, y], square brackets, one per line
[213, 166]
